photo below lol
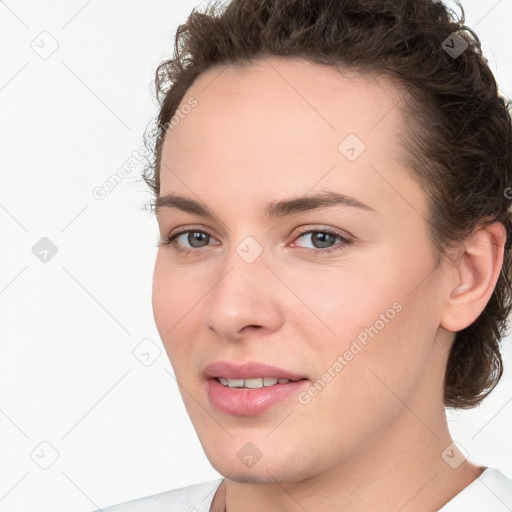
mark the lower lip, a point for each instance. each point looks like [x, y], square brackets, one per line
[249, 402]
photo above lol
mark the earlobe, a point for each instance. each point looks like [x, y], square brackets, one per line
[477, 271]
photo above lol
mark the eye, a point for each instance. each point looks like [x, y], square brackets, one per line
[322, 240]
[193, 241]
[195, 237]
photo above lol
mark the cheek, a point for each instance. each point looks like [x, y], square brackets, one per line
[366, 318]
[173, 300]
[162, 297]
[345, 302]
[176, 289]
[384, 364]
[361, 376]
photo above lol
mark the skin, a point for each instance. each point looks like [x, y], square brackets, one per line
[372, 438]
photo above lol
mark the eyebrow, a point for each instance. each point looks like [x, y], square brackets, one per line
[274, 209]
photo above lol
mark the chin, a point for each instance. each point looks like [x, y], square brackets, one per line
[270, 471]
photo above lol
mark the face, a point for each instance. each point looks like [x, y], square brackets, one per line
[343, 295]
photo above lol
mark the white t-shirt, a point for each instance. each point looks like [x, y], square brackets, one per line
[491, 492]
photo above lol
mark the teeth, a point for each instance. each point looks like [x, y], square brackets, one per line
[232, 383]
[252, 383]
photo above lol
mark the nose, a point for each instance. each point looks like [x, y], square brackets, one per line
[247, 298]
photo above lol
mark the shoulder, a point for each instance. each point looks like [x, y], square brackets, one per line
[193, 498]
[491, 492]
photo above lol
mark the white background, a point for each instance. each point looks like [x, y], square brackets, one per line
[68, 375]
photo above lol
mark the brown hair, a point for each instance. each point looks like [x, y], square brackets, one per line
[459, 134]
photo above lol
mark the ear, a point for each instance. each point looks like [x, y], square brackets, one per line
[475, 276]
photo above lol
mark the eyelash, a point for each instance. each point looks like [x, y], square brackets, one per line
[171, 240]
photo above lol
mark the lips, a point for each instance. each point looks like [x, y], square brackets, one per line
[248, 370]
[244, 401]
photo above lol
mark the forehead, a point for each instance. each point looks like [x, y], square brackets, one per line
[262, 98]
[284, 124]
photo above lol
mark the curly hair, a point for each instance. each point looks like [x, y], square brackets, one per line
[458, 139]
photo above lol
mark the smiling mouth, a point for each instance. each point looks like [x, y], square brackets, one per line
[251, 389]
[254, 383]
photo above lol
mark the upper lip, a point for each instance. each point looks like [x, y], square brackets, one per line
[247, 370]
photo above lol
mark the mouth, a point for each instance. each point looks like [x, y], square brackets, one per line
[254, 383]
[250, 388]
[249, 374]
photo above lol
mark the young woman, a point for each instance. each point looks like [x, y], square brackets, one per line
[331, 182]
